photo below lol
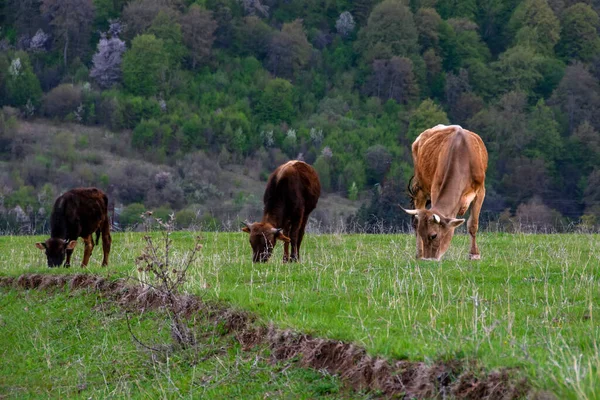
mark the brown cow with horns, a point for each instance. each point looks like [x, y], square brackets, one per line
[77, 213]
[450, 165]
[292, 193]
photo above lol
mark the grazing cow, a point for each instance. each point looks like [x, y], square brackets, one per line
[292, 193]
[77, 213]
[450, 165]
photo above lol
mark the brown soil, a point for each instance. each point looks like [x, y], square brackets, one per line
[401, 379]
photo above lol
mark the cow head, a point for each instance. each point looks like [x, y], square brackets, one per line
[56, 249]
[263, 237]
[435, 231]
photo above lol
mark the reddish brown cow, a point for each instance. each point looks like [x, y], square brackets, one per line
[292, 193]
[450, 165]
[77, 213]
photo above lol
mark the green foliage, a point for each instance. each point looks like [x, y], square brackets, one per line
[546, 142]
[517, 69]
[21, 83]
[185, 218]
[323, 169]
[579, 34]
[390, 32]
[131, 215]
[144, 65]
[151, 134]
[24, 197]
[534, 25]
[427, 115]
[456, 8]
[165, 28]
[276, 103]
[243, 82]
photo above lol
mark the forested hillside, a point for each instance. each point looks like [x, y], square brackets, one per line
[344, 85]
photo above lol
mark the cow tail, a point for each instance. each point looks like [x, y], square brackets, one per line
[97, 237]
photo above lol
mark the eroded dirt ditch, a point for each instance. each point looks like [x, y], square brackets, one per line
[356, 368]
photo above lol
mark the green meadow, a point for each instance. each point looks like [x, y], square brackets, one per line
[531, 303]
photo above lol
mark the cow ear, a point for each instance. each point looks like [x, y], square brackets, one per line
[247, 227]
[41, 245]
[71, 245]
[279, 235]
[455, 222]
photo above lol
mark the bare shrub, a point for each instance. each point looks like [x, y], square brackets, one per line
[534, 216]
[164, 276]
[62, 100]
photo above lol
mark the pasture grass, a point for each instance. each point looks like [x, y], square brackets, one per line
[532, 302]
[77, 345]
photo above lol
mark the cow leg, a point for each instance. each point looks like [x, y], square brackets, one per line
[68, 262]
[286, 246]
[106, 242]
[87, 252]
[473, 224]
[286, 252]
[420, 202]
[301, 236]
[294, 234]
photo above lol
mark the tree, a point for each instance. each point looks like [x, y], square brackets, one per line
[255, 7]
[545, 142]
[390, 31]
[144, 65]
[578, 97]
[426, 116]
[517, 69]
[72, 22]
[457, 8]
[166, 28]
[586, 147]
[517, 182]
[345, 24]
[138, 15]
[22, 86]
[198, 29]
[253, 37]
[428, 23]
[289, 50]
[393, 79]
[379, 161]
[106, 69]
[535, 26]
[579, 35]
[25, 16]
[276, 102]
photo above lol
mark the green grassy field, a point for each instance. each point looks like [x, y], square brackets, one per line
[532, 302]
[78, 346]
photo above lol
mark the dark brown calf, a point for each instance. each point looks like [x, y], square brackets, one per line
[292, 193]
[77, 213]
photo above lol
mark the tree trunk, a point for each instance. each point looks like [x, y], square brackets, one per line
[65, 49]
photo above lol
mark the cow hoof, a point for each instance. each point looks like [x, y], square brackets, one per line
[474, 256]
[67, 265]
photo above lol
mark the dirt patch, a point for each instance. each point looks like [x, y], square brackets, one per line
[404, 379]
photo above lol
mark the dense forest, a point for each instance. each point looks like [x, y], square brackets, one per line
[344, 85]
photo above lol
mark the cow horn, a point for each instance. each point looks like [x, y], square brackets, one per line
[437, 218]
[275, 231]
[248, 225]
[411, 212]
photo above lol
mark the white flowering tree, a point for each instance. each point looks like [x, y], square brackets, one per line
[345, 24]
[107, 60]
